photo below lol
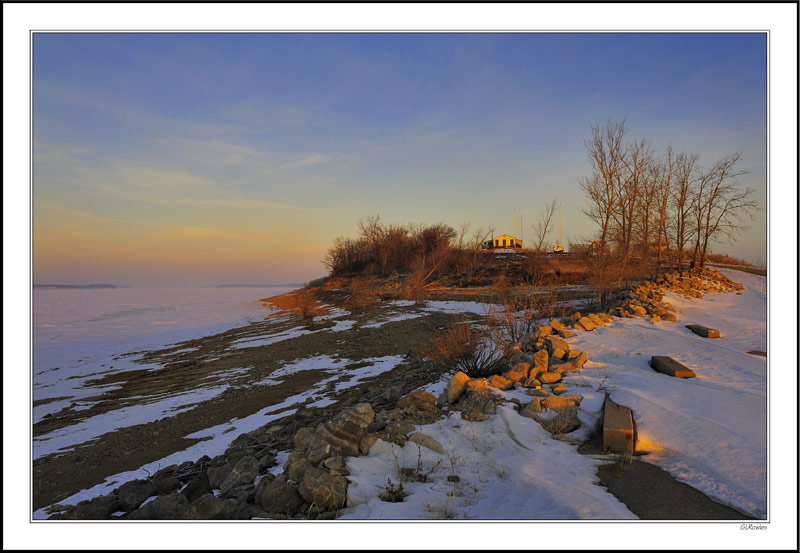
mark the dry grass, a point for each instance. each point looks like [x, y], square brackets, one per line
[463, 347]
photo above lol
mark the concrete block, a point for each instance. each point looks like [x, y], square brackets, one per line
[705, 332]
[670, 367]
[618, 435]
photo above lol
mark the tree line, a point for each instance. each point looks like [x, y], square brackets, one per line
[655, 205]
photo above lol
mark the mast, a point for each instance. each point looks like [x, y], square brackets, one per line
[559, 248]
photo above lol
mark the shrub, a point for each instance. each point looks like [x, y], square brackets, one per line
[465, 348]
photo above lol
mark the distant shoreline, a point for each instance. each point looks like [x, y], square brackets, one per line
[76, 286]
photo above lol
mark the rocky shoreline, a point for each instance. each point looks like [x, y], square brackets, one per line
[248, 482]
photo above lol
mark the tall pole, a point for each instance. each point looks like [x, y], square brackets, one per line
[559, 224]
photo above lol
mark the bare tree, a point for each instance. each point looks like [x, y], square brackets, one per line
[667, 168]
[637, 172]
[721, 206]
[682, 197]
[606, 151]
[542, 226]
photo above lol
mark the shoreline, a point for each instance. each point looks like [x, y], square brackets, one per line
[406, 375]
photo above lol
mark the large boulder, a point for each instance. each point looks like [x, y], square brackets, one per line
[343, 435]
[164, 507]
[500, 383]
[326, 491]
[596, 319]
[243, 472]
[586, 323]
[562, 421]
[132, 494]
[197, 487]
[456, 386]
[209, 507]
[554, 342]
[279, 496]
[518, 372]
[540, 359]
[218, 474]
[549, 377]
[418, 400]
[98, 508]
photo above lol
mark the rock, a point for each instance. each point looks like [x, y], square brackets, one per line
[397, 431]
[343, 435]
[302, 437]
[605, 317]
[426, 441]
[132, 494]
[565, 421]
[366, 443]
[596, 320]
[217, 475]
[326, 491]
[98, 508]
[479, 386]
[637, 311]
[334, 463]
[533, 407]
[531, 383]
[554, 342]
[586, 323]
[296, 469]
[562, 368]
[538, 392]
[566, 334]
[669, 317]
[456, 386]
[558, 402]
[206, 507]
[250, 511]
[549, 377]
[392, 394]
[279, 496]
[489, 407]
[540, 359]
[167, 485]
[518, 372]
[577, 358]
[418, 400]
[243, 472]
[544, 331]
[500, 383]
[473, 415]
[557, 326]
[197, 487]
[558, 354]
[559, 389]
[164, 507]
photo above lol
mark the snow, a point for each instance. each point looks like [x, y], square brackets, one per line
[475, 307]
[215, 440]
[709, 432]
[394, 317]
[508, 468]
[64, 439]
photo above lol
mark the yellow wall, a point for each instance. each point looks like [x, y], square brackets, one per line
[510, 241]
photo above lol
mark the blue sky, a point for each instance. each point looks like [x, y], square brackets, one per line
[200, 158]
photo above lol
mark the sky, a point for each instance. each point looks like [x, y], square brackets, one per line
[184, 159]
